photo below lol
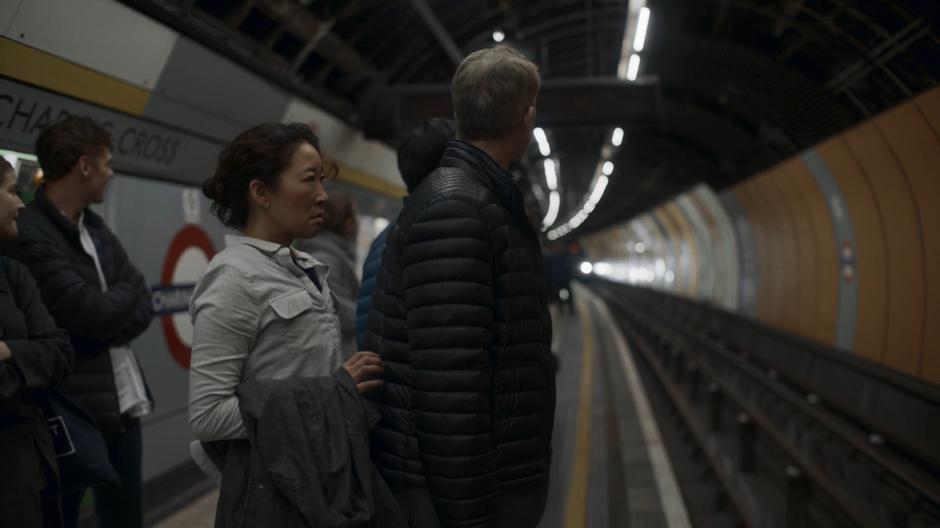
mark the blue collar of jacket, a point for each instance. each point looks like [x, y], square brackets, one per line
[91, 219]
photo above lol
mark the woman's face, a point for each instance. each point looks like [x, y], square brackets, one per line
[297, 205]
[10, 204]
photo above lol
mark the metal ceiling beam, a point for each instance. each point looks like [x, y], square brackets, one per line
[438, 30]
[300, 21]
[213, 33]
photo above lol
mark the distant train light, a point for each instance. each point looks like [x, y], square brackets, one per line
[587, 268]
[498, 36]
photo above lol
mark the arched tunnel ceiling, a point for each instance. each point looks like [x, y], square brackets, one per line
[744, 83]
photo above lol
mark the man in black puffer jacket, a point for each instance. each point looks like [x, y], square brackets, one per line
[92, 290]
[460, 318]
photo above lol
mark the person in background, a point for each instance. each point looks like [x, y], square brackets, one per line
[335, 246]
[418, 155]
[460, 317]
[34, 354]
[95, 293]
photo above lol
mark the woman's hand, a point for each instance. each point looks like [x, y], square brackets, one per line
[364, 367]
[5, 354]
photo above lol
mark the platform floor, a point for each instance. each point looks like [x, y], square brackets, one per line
[610, 468]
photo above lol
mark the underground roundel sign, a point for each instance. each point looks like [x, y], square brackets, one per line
[185, 262]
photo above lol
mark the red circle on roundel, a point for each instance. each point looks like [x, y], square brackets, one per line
[190, 236]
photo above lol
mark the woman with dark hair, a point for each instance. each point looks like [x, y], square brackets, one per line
[34, 354]
[262, 309]
[276, 409]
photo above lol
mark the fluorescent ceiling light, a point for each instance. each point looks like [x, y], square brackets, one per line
[617, 138]
[642, 24]
[599, 189]
[608, 168]
[542, 140]
[499, 36]
[554, 203]
[551, 178]
[633, 68]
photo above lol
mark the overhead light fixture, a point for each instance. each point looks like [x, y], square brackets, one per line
[642, 23]
[608, 168]
[542, 141]
[554, 203]
[498, 36]
[634, 68]
[551, 177]
[599, 189]
[617, 138]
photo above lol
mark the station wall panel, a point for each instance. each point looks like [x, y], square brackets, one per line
[788, 267]
[917, 150]
[806, 278]
[903, 246]
[824, 266]
[99, 36]
[839, 244]
[776, 247]
[746, 254]
[872, 274]
[754, 213]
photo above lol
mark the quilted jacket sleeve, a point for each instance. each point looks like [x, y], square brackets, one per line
[370, 269]
[44, 357]
[449, 298]
[77, 305]
[141, 315]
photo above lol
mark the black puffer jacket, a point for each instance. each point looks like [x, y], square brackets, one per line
[48, 245]
[41, 357]
[460, 318]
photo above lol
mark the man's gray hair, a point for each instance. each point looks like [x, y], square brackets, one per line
[491, 91]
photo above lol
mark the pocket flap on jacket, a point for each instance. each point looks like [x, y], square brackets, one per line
[292, 304]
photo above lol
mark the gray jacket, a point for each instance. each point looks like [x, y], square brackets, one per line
[306, 461]
[340, 255]
[257, 315]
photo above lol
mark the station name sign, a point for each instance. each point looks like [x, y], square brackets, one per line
[139, 147]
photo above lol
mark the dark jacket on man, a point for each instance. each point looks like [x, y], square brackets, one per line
[41, 357]
[370, 269]
[306, 461]
[460, 318]
[49, 246]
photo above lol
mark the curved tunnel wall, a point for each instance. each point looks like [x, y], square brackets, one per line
[840, 244]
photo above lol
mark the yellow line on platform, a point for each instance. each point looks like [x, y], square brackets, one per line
[576, 506]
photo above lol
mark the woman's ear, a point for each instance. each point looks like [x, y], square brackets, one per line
[259, 194]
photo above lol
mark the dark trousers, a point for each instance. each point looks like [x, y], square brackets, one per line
[37, 510]
[115, 506]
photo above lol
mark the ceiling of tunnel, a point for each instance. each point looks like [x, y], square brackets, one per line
[743, 83]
